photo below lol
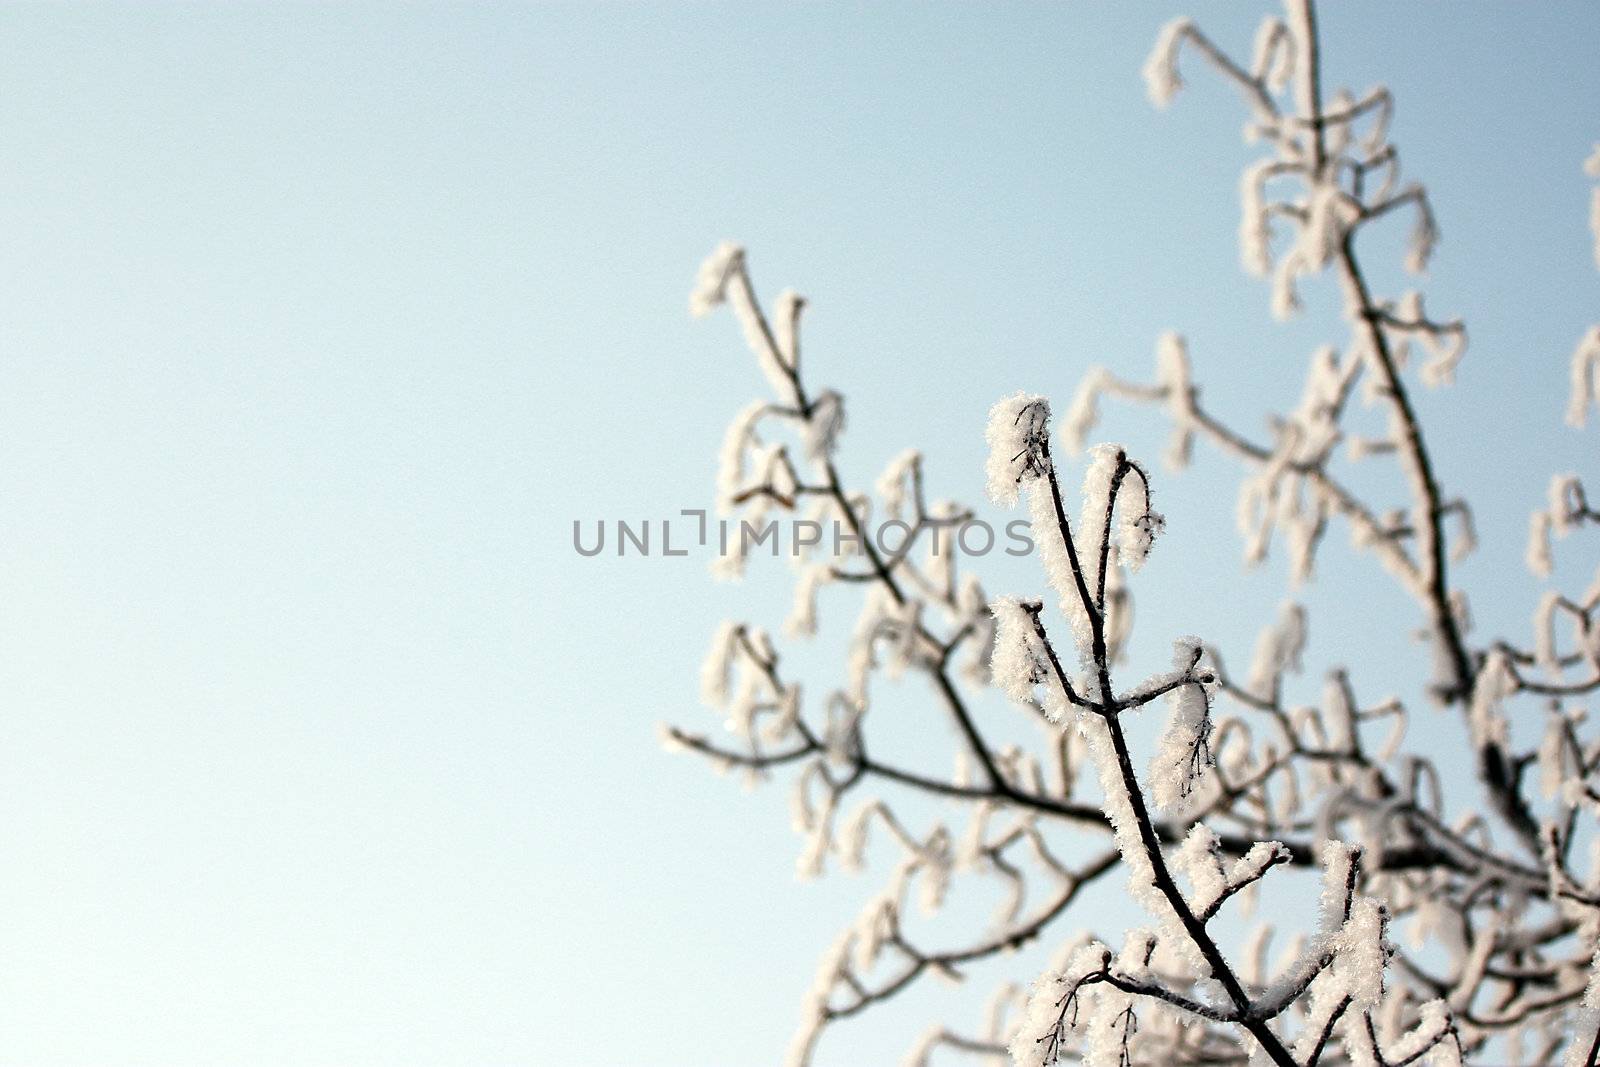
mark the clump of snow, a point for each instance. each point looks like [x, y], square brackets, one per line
[1161, 78]
[1584, 371]
[1183, 754]
[1018, 445]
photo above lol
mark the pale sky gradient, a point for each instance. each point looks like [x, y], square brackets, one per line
[319, 326]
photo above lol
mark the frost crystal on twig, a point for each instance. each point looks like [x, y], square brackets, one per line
[1451, 927]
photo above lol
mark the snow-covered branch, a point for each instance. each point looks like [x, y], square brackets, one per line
[1449, 927]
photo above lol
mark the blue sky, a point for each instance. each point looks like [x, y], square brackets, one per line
[319, 326]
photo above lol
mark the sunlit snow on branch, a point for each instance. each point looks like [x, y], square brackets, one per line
[1451, 926]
